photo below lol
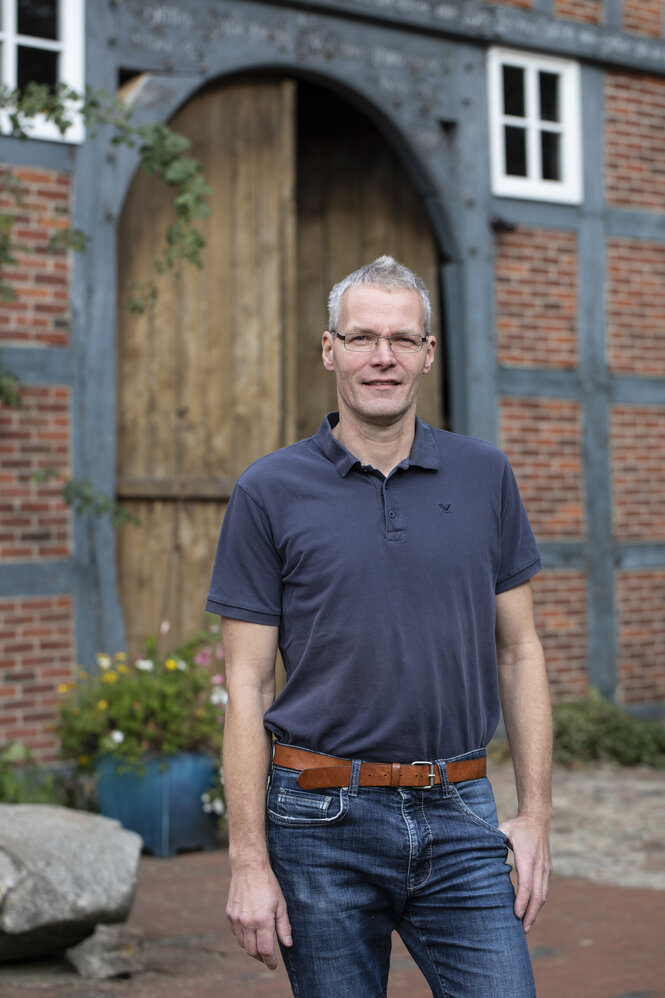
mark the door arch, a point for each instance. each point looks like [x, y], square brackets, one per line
[226, 366]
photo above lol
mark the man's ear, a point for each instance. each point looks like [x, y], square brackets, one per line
[429, 354]
[327, 341]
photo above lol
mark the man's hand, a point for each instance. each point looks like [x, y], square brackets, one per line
[528, 837]
[256, 909]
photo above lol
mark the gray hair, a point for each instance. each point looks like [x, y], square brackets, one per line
[385, 272]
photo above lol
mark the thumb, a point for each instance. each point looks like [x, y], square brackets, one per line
[283, 926]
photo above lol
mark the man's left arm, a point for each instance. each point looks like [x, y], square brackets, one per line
[528, 718]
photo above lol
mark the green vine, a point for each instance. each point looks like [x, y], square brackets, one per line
[163, 154]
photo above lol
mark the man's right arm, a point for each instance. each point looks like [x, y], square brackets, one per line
[256, 907]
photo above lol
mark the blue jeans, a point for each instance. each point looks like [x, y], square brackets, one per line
[355, 863]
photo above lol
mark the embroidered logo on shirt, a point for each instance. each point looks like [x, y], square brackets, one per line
[444, 507]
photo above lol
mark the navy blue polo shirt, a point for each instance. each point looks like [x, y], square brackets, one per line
[383, 590]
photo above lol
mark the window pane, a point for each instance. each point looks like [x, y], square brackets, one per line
[513, 91]
[549, 96]
[38, 18]
[36, 66]
[550, 146]
[515, 139]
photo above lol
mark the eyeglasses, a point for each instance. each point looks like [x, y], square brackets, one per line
[367, 342]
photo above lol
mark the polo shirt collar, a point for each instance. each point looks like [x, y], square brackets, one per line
[424, 452]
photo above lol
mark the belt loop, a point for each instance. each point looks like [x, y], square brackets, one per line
[445, 785]
[355, 776]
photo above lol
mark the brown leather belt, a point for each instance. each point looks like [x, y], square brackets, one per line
[318, 771]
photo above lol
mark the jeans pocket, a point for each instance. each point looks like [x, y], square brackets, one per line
[475, 799]
[299, 809]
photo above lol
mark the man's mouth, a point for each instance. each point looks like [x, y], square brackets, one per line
[382, 383]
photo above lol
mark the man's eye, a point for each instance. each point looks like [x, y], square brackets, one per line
[359, 338]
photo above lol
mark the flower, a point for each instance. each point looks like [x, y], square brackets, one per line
[204, 656]
[219, 696]
[65, 687]
[152, 704]
[219, 651]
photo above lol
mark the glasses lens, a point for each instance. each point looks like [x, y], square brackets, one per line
[360, 342]
[404, 343]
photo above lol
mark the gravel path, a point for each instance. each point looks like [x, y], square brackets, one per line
[608, 824]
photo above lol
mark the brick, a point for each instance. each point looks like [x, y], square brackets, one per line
[635, 307]
[643, 17]
[536, 298]
[29, 679]
[640, 597]
[638, 472]
[542, 438]
[588, 11]
[634, 140]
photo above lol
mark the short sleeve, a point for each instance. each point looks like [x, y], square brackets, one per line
[246, 579]
[520, 559]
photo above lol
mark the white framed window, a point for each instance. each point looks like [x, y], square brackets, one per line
[535, 126]
[42, 41]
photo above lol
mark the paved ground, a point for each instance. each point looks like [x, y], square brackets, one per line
[601, 934]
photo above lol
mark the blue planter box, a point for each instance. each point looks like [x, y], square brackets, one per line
[161, 800]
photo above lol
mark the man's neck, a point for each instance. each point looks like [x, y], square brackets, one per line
[382, 447]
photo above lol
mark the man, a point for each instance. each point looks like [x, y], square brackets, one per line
[390, 562]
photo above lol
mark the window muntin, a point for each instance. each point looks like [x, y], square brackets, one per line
[42, 41]
[534, 126]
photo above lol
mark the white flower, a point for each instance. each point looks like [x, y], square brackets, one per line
[117, 737]
[219, 696]
[145, 664]
[181, 665]
[104, 661]
[213, 805]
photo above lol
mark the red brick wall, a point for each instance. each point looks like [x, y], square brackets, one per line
[589, 11]
[560, 612]
[40, 312]
[36, 655]
[35, 523]
[36, 644]
[636, 307]
[536, 298]
[635, 141]
[542, 438]
[640, 599]
[643, 17]
[638, 472]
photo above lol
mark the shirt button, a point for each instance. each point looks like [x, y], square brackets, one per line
[392, 514]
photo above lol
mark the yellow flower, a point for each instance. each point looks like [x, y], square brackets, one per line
[120, 656]
[124, 669]
[171, 664]
[84, 760]
[110, 676]
[76, 711]
[102, 704]
[65, 687]
[83, 674]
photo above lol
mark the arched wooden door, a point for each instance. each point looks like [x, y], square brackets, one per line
[227, 365]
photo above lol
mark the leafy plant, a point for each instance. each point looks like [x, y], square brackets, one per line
[157, 705]
[592, 728]
[21, 782]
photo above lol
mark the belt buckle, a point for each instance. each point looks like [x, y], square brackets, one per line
[426, 762]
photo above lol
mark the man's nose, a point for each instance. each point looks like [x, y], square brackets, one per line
[383, 352]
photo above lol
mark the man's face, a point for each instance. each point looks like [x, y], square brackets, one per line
[379, 387]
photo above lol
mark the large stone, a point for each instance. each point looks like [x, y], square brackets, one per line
[62, 872]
